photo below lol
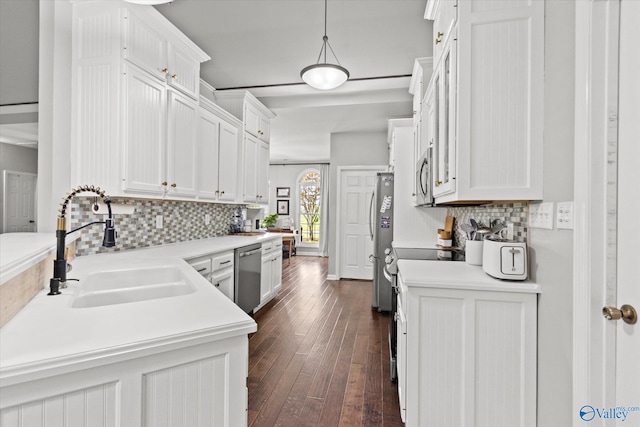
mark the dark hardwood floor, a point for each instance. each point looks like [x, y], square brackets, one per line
[321, 355]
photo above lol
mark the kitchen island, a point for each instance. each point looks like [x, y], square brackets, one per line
[160, 358]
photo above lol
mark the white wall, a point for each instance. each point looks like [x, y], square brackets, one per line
[351, 149]
[552, 250]
[18, 159]
[281, 175]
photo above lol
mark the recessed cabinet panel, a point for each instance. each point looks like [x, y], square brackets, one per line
[228, 171]
[208, 130]
[250, 164]
[263, 172]
[145, 125]
[251, 120]
[184, 72]
[144, 46]
[182, 144]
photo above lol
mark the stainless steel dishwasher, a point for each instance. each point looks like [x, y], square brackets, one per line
[248, 265]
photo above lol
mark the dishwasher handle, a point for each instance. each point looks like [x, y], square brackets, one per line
[249, 253]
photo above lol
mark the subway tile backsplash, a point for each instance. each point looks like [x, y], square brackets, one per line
[182, 221]
[515, 213]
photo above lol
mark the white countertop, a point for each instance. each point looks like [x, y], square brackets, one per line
[49, 337]
[457, 275]
[21, 251]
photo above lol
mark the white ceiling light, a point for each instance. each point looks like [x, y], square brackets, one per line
[323, 75]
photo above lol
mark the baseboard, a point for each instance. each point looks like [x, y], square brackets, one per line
[332, 277]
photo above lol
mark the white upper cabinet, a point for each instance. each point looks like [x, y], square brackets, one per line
[134, 124]
[156, 54]
[256, 119]
[218, 140]
[488, 88]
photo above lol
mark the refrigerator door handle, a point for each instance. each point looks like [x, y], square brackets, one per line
[373, 195]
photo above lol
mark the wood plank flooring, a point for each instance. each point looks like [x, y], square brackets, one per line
[321, 354]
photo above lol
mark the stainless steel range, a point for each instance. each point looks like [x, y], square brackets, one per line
[391, 273]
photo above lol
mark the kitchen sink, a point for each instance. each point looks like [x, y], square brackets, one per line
[132, 285]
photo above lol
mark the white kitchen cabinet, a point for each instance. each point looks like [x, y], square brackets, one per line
[401, 358]
[218, 141]
[271, 274]
[202, 384]
[154, 52]
[133, 129]
[490, 128]
[469, 354]
[263, 173]
[257, 122]
[222, 273]
[250, 155]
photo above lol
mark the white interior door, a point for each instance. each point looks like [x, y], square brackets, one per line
[19, 202]
[356, 188]
[628, 269]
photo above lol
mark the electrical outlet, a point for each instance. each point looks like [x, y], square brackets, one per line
[510, 231]
[564, 215]
[207, 219]
[159, 221]
[541, 215]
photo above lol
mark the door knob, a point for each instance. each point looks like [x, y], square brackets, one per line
[626, 312]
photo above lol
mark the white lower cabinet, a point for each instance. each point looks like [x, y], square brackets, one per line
[197, 385]
[217, 269]
[469, 357]
[271, 274]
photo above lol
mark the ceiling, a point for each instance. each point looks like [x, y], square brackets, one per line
[262, 45]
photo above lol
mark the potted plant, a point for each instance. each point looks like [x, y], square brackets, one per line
[270, 220]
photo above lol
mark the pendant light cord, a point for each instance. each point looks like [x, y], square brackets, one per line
[325, 41]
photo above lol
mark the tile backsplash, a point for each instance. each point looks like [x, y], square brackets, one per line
[516, 213]
[182, 221]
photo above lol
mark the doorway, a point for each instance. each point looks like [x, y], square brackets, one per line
[356, 187]
[19, 202]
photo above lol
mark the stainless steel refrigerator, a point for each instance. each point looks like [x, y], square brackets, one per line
[381, 229]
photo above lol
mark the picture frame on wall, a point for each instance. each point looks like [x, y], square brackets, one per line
[283, 207]
[283, 192]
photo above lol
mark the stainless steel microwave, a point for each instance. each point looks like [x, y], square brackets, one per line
[424, 193]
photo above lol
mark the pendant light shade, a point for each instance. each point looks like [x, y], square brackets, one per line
[149, 2]
[323, 75]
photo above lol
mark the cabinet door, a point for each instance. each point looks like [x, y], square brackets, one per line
[144, 46]
[401, 359]
[445, 103]
[276, 269]
[208, 131]
[446, 15]
[184, 72]
[224, 281]
[251, 119]
[183, 123]
[265, 128]
[250, 165]
[145, 106]
[265, 278]
[228, 163]
[263, 172]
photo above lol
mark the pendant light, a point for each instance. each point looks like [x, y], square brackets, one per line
[322, 75]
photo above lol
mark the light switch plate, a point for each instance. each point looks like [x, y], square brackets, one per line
[564, 215]
[541, 215]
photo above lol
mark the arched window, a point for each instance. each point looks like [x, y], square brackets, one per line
[309, 196]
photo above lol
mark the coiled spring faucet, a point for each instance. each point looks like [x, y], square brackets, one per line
[60, 263]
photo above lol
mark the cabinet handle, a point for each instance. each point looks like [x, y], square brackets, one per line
[217, 285]
[225, 262]
[174, 76]
[200, 270]
[165, 70]
[222, 192]
[438, 41]
[413, 194]
[438, 183]
[217, 191]
[164, 183]
[174, 185]
[439, 34]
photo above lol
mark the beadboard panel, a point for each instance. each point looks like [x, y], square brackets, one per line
[192, 394]
[94, 406]
[442, 385]
[182, 147]
[93, 41]
[499, 373]
[144, 46]
[500, 101]
[493, 5]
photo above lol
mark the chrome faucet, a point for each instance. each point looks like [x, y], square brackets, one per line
[59, 278]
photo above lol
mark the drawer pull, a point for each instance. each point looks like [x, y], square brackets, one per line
[225, 262]
[200, 270]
